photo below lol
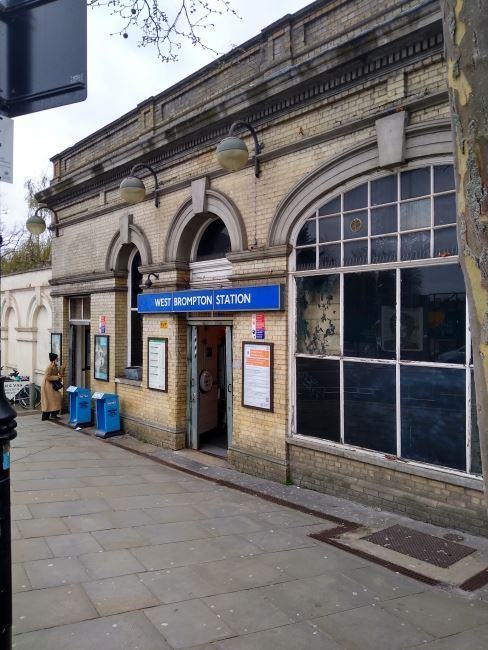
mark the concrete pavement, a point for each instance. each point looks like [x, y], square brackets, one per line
[115, 551]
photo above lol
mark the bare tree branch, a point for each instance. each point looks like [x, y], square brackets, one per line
[165, 25]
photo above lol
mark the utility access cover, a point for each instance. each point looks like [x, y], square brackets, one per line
[420, 546]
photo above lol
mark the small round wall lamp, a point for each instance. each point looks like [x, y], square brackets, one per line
[232, 152]
[132, 188]
[36, 224]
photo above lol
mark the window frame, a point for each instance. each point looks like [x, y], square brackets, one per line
[397, 266]
[130, 308]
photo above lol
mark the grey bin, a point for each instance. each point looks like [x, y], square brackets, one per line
[133, 372]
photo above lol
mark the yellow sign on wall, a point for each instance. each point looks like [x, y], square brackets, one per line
[163, 324]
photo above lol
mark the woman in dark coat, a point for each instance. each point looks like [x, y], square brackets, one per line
[50, 398]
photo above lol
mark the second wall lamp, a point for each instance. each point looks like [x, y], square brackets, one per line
[232, 152]
[148, 283]
[132, 188]
[36, 224]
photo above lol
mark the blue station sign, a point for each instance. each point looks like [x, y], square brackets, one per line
[262, 298]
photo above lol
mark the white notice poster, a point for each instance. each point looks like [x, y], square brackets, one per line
[257, 377]
[157, 364]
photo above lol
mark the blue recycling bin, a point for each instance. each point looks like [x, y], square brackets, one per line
[107, 414]
[79, 402]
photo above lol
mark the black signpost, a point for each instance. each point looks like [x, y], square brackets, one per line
[42, 65]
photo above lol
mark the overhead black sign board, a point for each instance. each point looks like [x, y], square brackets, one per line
[42, 54]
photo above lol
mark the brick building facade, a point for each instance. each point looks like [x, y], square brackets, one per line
[364, 389]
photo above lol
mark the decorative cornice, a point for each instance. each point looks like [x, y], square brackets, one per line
[252, 255]
[87, 277]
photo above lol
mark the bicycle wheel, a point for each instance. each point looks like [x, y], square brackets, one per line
[37, 395]
[23, 397]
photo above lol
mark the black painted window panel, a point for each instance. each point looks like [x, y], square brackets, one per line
[356, 198]
[370, 406]
[318, 398]
[443, 178]
[433, 408]
[369, 299]
[384, 190]
[415, 182]
[433, 326]
[307, 234]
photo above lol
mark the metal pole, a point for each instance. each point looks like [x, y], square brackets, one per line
[7, 433]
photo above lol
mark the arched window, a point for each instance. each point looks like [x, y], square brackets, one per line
[214, 242]
[382, 346]
[134, 347]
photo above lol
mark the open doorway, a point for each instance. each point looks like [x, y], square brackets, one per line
[79, 363]
[211, 389]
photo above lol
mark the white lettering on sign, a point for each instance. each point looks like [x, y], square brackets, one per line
[162, 302]
[233, 299]
[191, 301]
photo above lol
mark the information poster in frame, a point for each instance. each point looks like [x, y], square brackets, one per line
[157, 364]
[257, 376]
[101, 353]
[57, 345]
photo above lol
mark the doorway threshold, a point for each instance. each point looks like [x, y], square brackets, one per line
[204, 457]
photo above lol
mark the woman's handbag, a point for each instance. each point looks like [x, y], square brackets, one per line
[57, 384]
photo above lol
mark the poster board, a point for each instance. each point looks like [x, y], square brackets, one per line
[257, 376]
[101, 354]
[57, 345]
[157, 364]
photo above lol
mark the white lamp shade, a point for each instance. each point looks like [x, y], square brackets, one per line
[232, 154]
[35, 225]
[132, 190]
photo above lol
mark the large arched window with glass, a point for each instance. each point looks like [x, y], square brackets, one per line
[382, 346]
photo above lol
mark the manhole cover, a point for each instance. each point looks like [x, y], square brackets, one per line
[421, 546]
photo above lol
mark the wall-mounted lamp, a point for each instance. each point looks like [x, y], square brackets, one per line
[36, 224]
[132, 188]
[148, 283]
[232, 152]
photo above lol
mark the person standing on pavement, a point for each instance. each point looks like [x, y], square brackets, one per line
[51, 398]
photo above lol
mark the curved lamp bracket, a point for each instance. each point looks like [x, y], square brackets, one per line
[140, 166]
[257, 146]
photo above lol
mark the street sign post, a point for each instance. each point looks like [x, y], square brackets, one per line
[6, 149]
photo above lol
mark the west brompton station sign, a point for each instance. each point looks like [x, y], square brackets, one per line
[267, 297]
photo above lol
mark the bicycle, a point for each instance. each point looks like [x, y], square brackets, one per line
[17, 390]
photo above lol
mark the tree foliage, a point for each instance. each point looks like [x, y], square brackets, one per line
[20, 250]
[166, 25]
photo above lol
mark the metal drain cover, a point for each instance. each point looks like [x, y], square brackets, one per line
[434, 550]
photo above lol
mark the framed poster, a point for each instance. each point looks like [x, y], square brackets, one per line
[101, 357]
[157, 364]
[57, 345]
[257, 376]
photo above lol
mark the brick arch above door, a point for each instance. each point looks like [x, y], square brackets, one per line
[191, 216]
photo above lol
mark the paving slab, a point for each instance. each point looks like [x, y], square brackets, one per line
[247, 611]
[438, 613]
[188, 623]
[73, 544]
[384, 630]
[43, 608]
[42, 527]
[119, 594]
[131, 631]
[302, 636]
[55, 572]
[110, 563]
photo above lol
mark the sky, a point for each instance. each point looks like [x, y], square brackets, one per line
[120, 75]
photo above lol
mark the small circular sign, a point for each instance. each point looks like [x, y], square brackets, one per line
[356, 225]
[205, 381]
